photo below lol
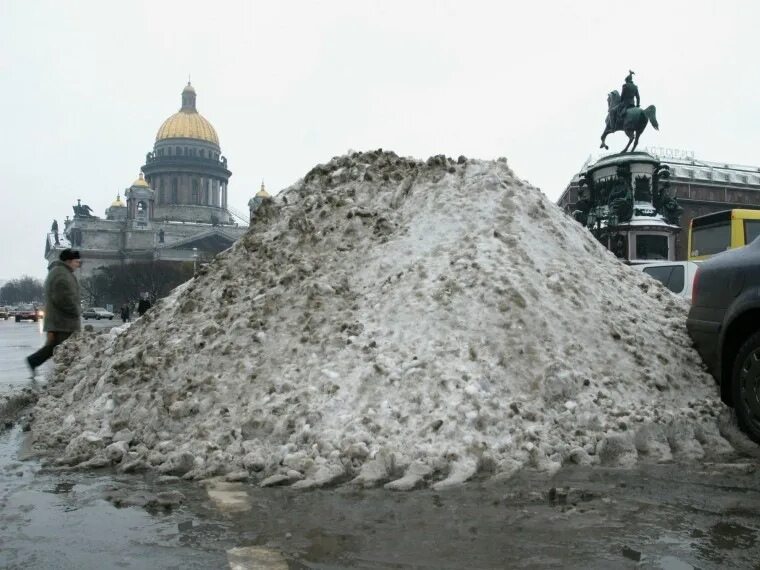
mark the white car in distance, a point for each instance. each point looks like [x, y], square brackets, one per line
[677, 276]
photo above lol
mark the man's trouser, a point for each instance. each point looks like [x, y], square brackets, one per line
[54, 338]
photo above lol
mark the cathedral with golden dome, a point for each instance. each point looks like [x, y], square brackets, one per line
[176, 209]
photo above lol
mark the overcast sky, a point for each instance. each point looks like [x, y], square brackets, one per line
[84, 87]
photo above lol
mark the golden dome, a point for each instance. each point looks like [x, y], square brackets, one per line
[262, 193]
[118, 203]
[141, 182]
[188, 123]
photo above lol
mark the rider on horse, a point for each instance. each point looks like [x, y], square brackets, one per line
[628, 93]
[625, 114]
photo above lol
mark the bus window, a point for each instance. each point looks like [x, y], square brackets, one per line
[712, 239]
[718, 231]
[751, 230]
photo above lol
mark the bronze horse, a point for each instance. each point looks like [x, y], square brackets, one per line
[634, 121]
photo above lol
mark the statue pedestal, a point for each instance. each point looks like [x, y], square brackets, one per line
[628, 207]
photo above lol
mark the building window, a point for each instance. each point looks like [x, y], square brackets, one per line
[650, 246]
[196, 197]
[175, 191]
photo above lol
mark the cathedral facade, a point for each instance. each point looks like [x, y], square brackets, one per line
[176, 210]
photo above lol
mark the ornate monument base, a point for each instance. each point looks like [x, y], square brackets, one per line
[625, 202]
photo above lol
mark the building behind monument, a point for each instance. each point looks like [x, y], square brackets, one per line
[700, 186]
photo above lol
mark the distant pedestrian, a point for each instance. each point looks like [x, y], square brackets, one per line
[125, 313]
[143, 305]
[62, 305]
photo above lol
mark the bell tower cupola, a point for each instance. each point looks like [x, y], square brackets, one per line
[140, 202]
[188, 99]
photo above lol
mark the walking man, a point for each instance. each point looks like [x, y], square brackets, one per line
[125, 313]
[62, 305]
[144, 304]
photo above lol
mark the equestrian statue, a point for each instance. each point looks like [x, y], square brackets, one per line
[625, 114]
[82, 210]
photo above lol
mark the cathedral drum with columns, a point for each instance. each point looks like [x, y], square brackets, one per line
[176, 210]
[186, 168]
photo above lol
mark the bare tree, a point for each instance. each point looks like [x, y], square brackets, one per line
[22, 290]
[125, 283]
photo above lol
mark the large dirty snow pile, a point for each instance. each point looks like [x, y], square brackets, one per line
[392, 321]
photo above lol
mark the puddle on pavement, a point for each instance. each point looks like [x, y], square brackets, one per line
[653, 517]
[50, 519]
[327, 547]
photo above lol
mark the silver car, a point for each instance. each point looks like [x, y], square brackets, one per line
[97, 313]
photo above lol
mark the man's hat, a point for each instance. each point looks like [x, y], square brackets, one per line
[67, 254]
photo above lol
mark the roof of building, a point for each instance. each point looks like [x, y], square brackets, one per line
[118, 203]
[187, 123]
[684, 165]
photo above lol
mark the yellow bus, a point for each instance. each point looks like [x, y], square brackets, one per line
[719, 231]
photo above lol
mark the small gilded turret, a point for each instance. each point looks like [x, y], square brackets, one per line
[117, 210]
[255, 202]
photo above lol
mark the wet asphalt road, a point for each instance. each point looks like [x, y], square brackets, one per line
[656, 516]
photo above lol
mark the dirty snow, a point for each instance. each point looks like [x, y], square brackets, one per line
[390, 321]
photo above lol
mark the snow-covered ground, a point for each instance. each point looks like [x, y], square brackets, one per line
[399, 322]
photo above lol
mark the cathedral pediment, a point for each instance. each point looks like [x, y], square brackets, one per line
[213, 241]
